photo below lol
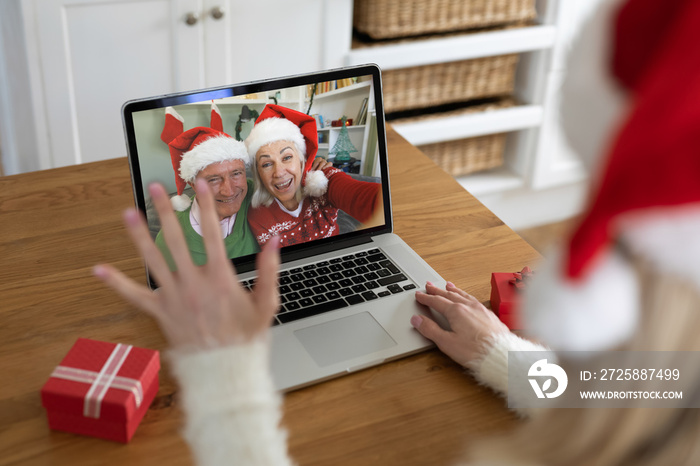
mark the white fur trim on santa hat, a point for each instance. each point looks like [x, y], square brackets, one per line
[213, 150]
[315, 183]
[272, 130]
[181, 202]
[171, 111]
[668, 238]
[595, 313]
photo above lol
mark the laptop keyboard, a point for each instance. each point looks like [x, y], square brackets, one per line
[337, 283]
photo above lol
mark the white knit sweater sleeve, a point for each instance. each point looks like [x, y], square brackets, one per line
[232, 411]
[492, 369]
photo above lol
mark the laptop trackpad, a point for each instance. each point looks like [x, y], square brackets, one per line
[343, 339]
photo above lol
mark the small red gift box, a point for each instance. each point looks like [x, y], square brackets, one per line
[339, 122]
[101, 389]
[505, 296]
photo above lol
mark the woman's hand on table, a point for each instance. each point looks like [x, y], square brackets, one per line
[472, 325]
[200, 307]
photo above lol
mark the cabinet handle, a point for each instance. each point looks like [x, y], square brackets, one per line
[191, 19]
[217, 12]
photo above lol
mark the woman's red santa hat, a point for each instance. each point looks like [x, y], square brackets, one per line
[277, 123]
[648, 195]
[196, 149]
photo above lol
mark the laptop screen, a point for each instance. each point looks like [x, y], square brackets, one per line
[301, 157]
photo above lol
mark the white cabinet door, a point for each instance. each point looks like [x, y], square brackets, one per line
[278, 37]
[90, 56]
[556, 163]
[96, 54]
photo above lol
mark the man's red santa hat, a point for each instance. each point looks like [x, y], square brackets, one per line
[648, 196]
[196, 149]
[277, 123]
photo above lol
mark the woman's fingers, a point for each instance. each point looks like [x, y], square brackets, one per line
[172, 231]
[197, 306]
[429, 329]
[439, 303]
[320, 163]
[266, 294]
[211, 229]
[449, 293]
[454, 307]
[451, 287]
[136, 294]
[454, 345]
[141, 237]
[471, 324]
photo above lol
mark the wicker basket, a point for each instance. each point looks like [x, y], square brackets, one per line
[427, 86]
[383, 19]
[465, 156]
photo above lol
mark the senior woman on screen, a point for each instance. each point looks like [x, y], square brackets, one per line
[291, 199]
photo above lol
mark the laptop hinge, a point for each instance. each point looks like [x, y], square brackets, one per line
[316, 250]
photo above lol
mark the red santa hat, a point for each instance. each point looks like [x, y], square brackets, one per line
[196, 149]
[174, 125]
[277, 123]
[649, 193]
[216, 121]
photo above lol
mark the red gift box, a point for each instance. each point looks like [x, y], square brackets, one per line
[339, 122]
[101, 389]
[506, 294]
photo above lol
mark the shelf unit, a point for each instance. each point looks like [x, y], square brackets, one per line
[472, 125]
[345, 101]
[537, 163]
[465, 47]
[336, 129]
[343, 90]
[460, 47]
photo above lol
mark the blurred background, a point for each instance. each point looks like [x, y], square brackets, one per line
[473, 83]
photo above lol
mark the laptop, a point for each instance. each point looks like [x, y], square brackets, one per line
[346, 299]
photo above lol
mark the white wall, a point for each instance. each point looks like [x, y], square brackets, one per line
[16, 109]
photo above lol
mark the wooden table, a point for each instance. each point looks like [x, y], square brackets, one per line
[57, 224]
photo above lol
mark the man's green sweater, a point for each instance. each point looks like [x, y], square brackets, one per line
[240, 242]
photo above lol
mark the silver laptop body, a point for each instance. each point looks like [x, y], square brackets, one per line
[363, 318]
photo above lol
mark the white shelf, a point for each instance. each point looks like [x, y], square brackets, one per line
[466, 126]
[338, 128]
[492, 181]
[463, 47]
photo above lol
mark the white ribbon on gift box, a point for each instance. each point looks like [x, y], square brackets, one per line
[101, 382]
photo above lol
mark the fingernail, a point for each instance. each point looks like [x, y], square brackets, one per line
[153, 189]
[131, 216]
[451, 284]
[429, 284]
[199, 184]
[274, 242]
[416, 321]
[99, 271]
